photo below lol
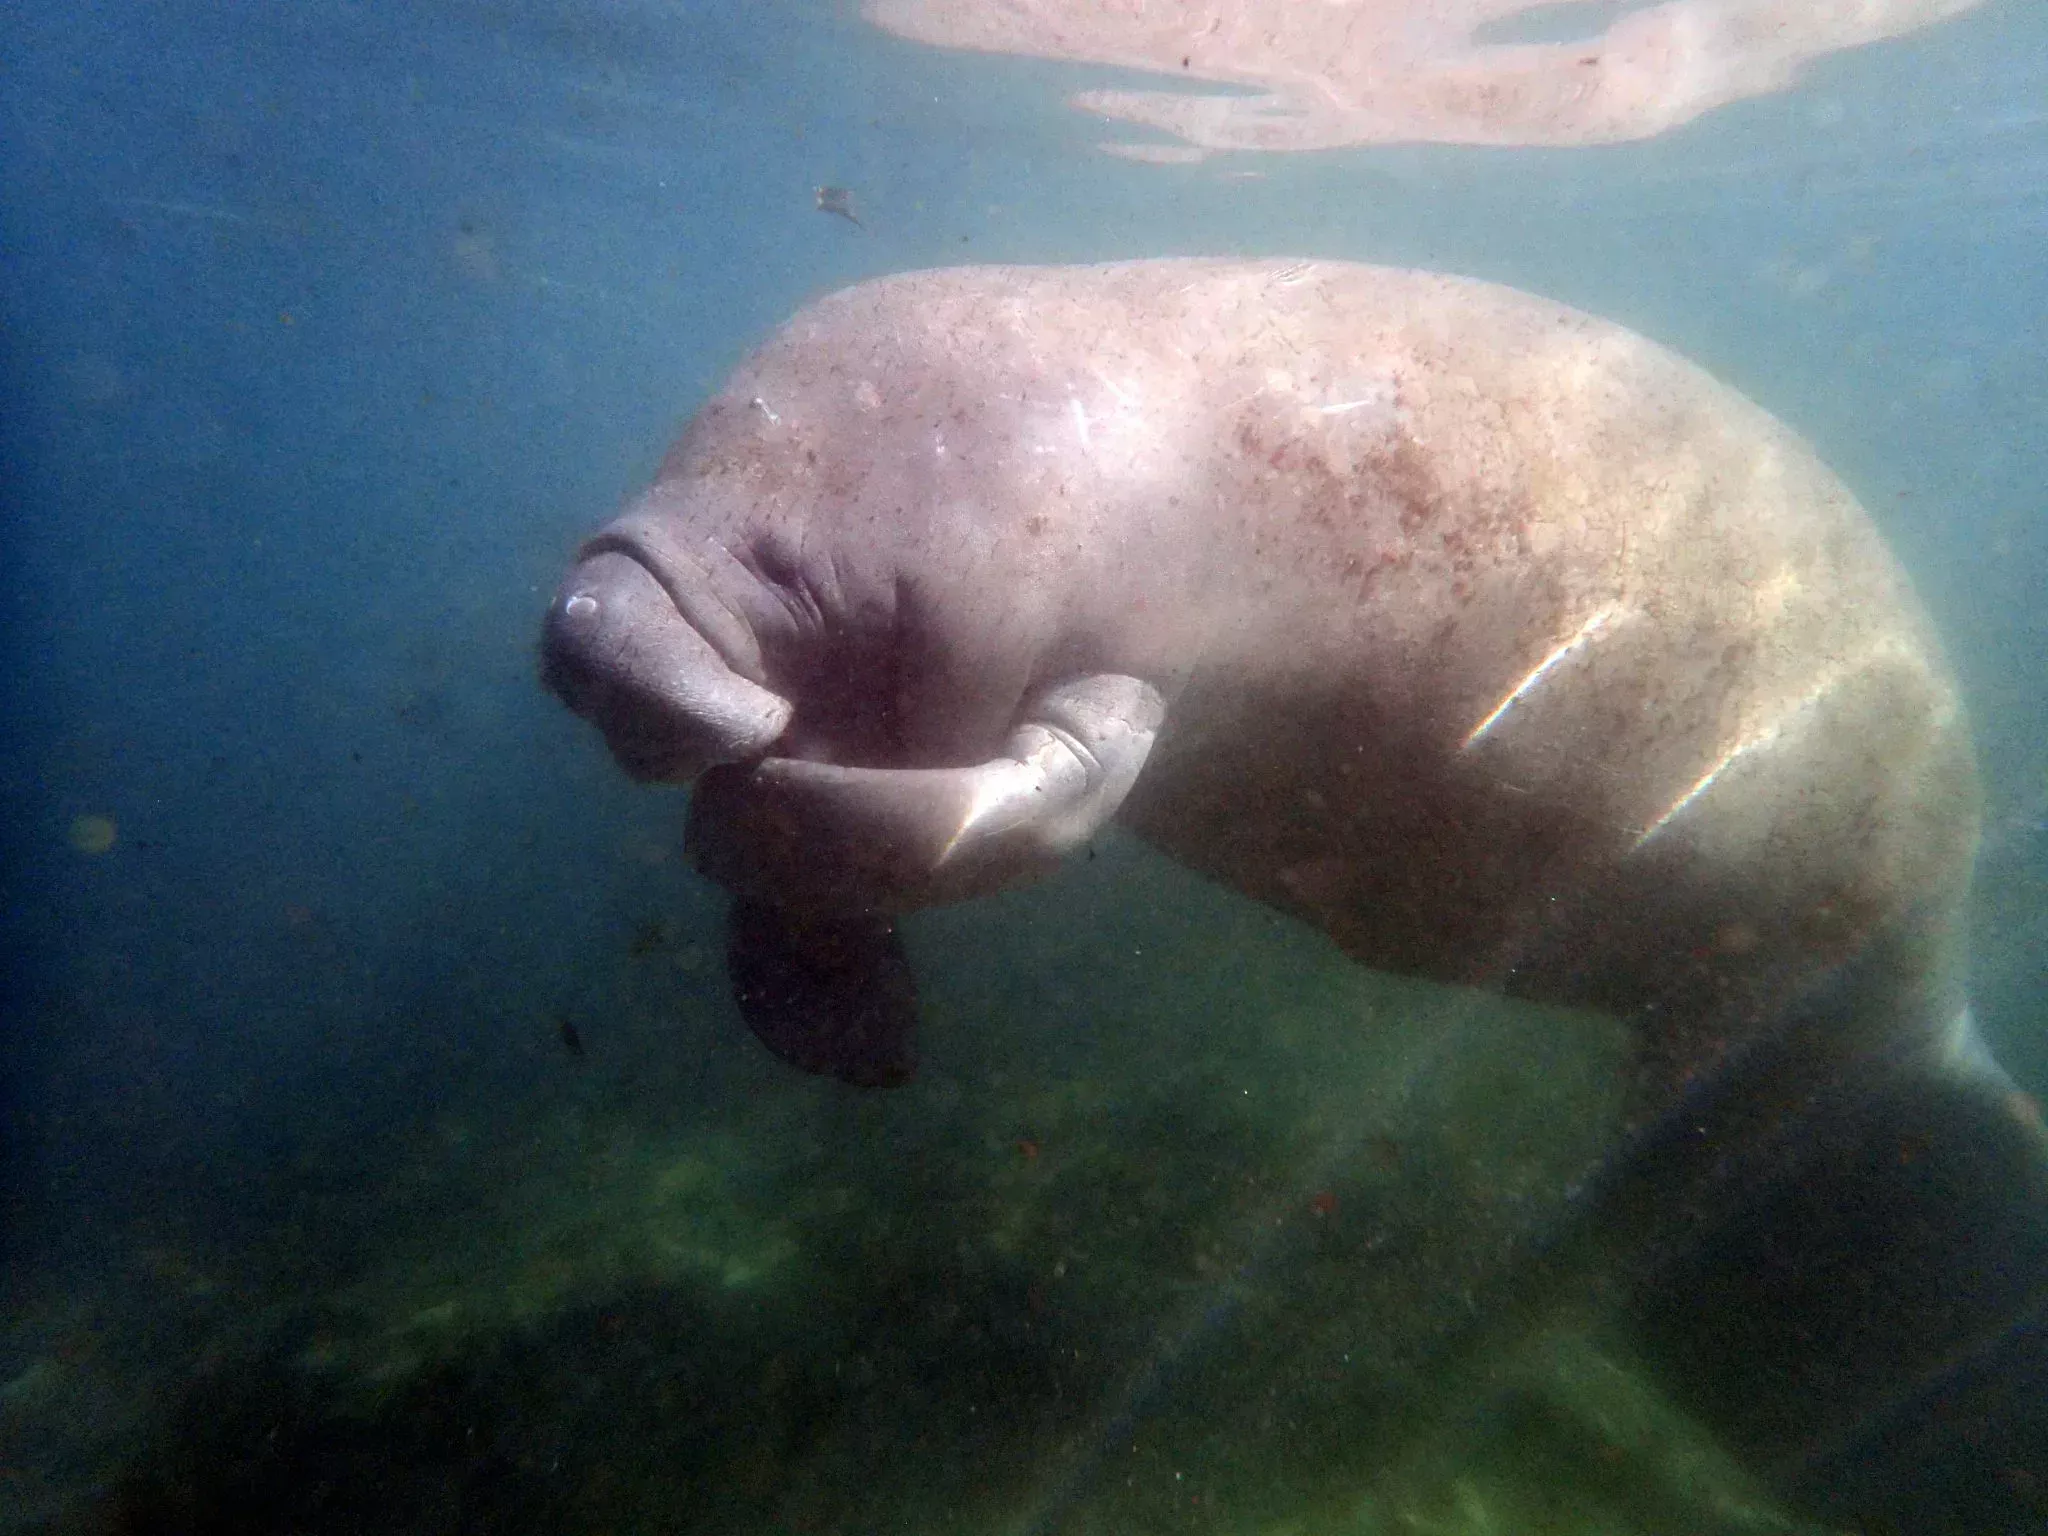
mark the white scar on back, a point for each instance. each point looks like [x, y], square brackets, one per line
[1593, 625]
[1772, 730]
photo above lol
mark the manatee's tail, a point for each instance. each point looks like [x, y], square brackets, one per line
[1838, 1260]
[1868, 1323]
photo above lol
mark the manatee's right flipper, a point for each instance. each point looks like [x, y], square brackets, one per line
[819, 857]
[823, 837]
[833, 996]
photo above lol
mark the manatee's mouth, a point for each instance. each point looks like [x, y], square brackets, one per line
[619, 652]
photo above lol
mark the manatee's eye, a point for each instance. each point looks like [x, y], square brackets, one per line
[581, 605]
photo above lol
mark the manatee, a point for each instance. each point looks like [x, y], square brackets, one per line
[1492, 640]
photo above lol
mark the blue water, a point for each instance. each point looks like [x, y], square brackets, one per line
[330, 328]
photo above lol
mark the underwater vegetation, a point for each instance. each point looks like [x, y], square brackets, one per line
[1219, 1251]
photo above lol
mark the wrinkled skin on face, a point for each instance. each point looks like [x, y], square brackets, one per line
[1496, 642]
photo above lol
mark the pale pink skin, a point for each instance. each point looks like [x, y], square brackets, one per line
[1498, 643]
[1337, 72]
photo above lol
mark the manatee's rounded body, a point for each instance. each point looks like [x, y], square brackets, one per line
[1495, 641]
[1492, 640]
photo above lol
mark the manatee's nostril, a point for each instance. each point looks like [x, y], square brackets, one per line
[580, 605]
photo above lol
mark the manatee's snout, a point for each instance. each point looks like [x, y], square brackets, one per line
[617, 651]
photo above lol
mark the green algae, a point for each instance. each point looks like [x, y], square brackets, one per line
[1216, 1243]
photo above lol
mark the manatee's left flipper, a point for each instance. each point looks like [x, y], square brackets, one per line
[821, 837]
[833, 996]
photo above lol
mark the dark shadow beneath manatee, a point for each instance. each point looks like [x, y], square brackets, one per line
[834, 996]
[655, 1409]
